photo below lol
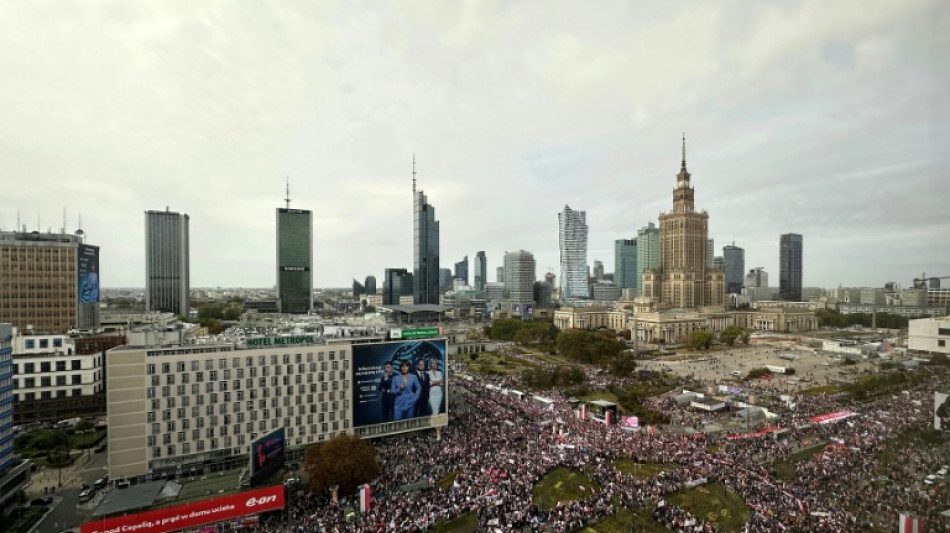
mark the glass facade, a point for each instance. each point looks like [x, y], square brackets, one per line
[481, 269]
[425, 251]
[572, 234]
[735, 268]
[294, 260]
[648, 249]
[790, 267]
[626, 275]
[167, 282]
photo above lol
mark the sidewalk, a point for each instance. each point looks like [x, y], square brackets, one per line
[50, 477]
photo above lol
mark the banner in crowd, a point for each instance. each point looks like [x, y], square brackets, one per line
[909, 524]
[760, 433]
[829, 418]
[192, 515]
[629, 422]
[366, 498]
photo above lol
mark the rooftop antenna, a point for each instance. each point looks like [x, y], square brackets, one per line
[413, 174]
[63, 229]
[287, 199]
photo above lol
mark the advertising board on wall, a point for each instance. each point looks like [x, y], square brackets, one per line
[192, 514]
[398, 380]
[267, 455]
[941, 411]
[88, 283]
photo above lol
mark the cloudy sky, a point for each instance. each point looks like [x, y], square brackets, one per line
[828, 119]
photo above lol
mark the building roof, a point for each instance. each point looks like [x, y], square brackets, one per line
[414, 308]
[137, 496]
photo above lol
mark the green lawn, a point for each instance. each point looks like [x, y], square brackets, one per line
[467, 523]
[20, 521]
[716, 504]
[643, 470]
[86, 440]
[785, 468]
[493, 363]
[825, 389]
[625, 521]
[561, 485]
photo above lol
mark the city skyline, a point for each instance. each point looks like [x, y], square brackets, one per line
[823, 120]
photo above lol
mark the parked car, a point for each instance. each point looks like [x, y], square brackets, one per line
[122, 483]
[929, 480]
[85, 496]
[101, 483]
[38, 502]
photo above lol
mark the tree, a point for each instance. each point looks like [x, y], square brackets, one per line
[940, 359]
[623, 365]
[729, 335]
[346, 460]
[588, 347]
[701, 339]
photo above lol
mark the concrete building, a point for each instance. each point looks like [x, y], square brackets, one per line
[929, 335]
[788, 317]
[520, 275]
[599, 270]
[495, 291]
[684, 279]
[572, 243]
[710, 253]
[167, 269]
[481, 271]
[734, 257]
[49, 282]
[294, 260]
[626, 275]
[500, 274]
[872, 296]
[605, 291]
[648, 251]
[790, 267]
[757, 277]
[461, 270]
[425, 248]
[14, 471]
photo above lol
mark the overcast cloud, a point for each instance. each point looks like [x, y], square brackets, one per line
[828, 119]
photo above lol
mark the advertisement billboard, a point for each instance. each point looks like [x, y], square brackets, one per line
[410, 334]
[88, 283]
[941, 411]
[193, 514]
[267, 455]
[398, 380]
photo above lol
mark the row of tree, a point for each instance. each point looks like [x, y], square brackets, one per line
[703, 339]
[833, 319]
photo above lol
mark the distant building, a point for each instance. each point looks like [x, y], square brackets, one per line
[481, 271]
[572, 238]
[710, 252]
[396, 284]
[294, 260]
[167, 269]
[14, 472]
[500, 274]
[544, 294]
[648, 251]
[358, 289]
[757, 277]
[734, 258]
[520, 276]
[872, 296]
[425, 248]
[790, 267]
[626, 275]
[494, 291]
[49, 282]
[370, 285]
[445, 280]
[719, 263]
[605, 291]
[461, 270]
[929, 335]
[598, 270]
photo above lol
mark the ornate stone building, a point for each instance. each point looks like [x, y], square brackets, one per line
[684, 279]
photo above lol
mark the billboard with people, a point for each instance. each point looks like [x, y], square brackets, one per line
[88, 283]
[398, 380]
[267, 455]
[941, 411]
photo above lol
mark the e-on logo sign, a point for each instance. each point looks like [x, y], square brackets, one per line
[251, 502]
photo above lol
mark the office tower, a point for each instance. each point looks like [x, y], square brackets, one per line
[598, 270]
[494, 290]
[481, 271]
[445, 280]
[358, 289]
[49, 282]
[461, 270]
[520, 276]
[14, 472]
[294, 260]
[543, 294]
[425, 247]
[167, 281]
[757, 277]
[734, 257]
[684, 279]
[648, 251]
[370, 284]
[500, 274]
[626, 275]
[397, 282]
[790, 267]
[710, 252]
[572, 239]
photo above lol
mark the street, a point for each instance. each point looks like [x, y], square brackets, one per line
[64, 515]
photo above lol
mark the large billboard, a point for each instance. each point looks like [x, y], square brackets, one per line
[192, 514]
[398, 380]
[88, 284]
[942, 411]
[267, 455]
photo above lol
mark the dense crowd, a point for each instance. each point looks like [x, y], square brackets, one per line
[499, 448]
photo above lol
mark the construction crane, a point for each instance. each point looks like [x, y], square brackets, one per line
[921, 282]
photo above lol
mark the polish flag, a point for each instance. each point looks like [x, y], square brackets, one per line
[910, 524]
[366, 498]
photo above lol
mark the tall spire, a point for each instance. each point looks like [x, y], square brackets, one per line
[413, 174]
[287, 199]
[683, 165]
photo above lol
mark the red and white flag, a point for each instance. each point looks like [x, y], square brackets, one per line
[366, 498]
[910, 524]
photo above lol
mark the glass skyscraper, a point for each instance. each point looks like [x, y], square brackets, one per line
[572, 233]
[734, 257]
[626, 275]
[425, 250]
[520, 276]
[481, 270]
[648, 251]
[461, 270]
[167, 278]
[294, 260]
[790, 267]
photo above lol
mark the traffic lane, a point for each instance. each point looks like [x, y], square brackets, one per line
[63, 516]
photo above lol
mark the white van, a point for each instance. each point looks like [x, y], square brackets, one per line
[736, 373]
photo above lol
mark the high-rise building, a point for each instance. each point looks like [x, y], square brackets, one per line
[358, 289]
[626, 275]
[461, 270]
[734, 257]
[684, 279]
[500, 274]
[167, 275]
[790, 267]
[294, 260]
[572, 238]
[445, 280]
[710, 252]
[396, 282]
[49, 282]
[481, 271]
[370, 284]
[543, 292]
[425, 247]
[598, 270]
[14, 472]
[520, 276]
[757, 277]
[648, 251]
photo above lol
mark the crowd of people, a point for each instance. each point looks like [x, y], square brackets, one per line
[498, 448]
